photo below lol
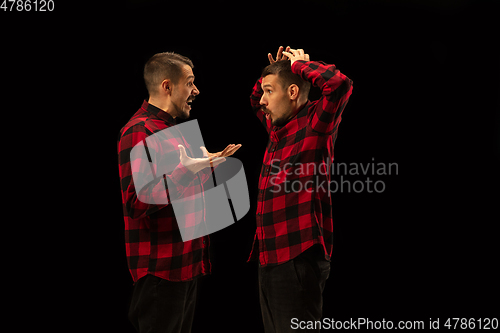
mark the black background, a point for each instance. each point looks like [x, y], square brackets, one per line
[425, 96]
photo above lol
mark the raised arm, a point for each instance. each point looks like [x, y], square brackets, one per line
[257, 90]
[255, 102]
[335, 87]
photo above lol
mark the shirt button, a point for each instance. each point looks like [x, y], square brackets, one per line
[258, 213]
[272, 150]
[204, 242]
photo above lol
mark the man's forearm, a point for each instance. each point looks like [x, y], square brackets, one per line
[336, 89]
[256, 95]
[326, 77]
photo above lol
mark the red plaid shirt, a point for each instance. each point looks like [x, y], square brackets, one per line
[152, 238]
[294, 207]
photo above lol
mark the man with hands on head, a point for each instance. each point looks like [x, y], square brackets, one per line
[164, 269]
[293, 240]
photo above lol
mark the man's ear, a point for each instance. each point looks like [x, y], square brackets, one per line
[293, 92]
[166, 86]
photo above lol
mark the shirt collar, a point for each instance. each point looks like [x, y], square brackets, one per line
[291, 126]
[158, 112]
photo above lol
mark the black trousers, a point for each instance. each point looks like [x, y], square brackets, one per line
[293, 290]
[158, 305]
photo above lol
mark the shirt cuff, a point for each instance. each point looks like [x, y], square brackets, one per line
[182, 176]
[297, 64]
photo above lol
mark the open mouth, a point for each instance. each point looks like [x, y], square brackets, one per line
[189, 102]
[268, 115]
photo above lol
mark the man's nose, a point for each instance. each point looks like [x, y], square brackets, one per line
[195, 91]
[263, 101]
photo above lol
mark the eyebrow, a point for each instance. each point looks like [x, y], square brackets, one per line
[267, 85]
[190, 76]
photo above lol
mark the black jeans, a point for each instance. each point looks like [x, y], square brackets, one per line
[158, 305]
[293, 290]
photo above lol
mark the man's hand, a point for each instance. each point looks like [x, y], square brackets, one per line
[196, 164]
[279, 55]
[228, 151]
[294, 55]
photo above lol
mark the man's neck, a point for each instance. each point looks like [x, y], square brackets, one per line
[160, 104]
[296, 109]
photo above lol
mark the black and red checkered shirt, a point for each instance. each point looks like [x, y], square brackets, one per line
[294, 207]
[152, 237]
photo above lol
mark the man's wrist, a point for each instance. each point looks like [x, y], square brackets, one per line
[297, 64]
[182, 175]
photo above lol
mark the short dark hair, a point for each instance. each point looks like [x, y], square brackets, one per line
[283, 70]
[161, 66]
